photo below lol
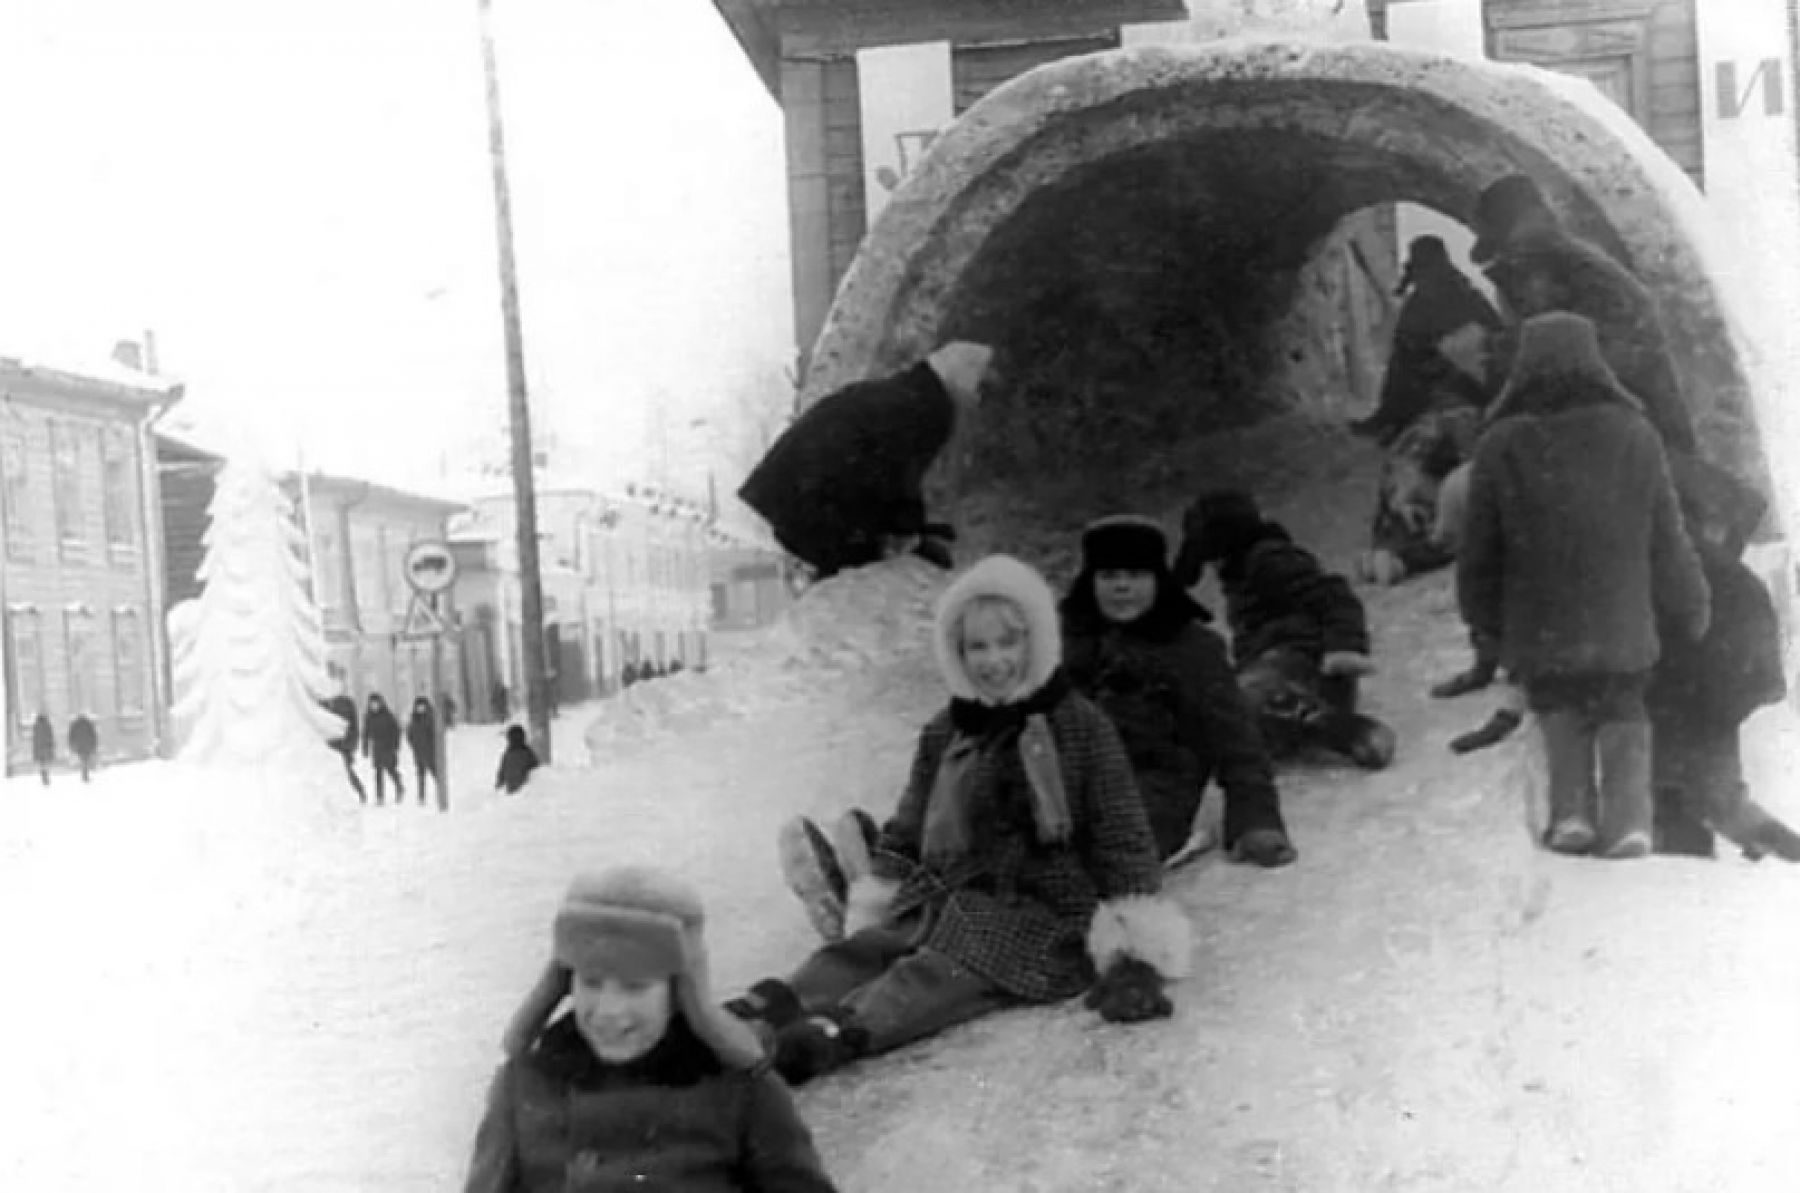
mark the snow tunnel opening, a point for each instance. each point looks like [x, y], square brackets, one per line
[1160, 242]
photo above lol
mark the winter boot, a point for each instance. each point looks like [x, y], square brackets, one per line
[853, 837]
[818, 1044]
[1492, 732]
[770, 1003]
[1749, 826]
[811, 869]
[1364, 740]
[1266, 847]
[1627, 808]
[1680, 833]
[1479, 675]
[1569, 752]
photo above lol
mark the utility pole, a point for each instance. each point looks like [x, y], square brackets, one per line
[531, 590]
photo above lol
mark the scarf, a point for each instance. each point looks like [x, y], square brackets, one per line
[982, 732]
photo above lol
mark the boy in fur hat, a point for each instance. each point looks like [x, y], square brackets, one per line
[1299, 635]
[644, 1083]
[1137, 645]
[1572, 547]
[845, 481]
[1020, 838]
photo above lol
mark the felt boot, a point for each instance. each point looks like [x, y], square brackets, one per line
[1569, 751]
[1627, 808]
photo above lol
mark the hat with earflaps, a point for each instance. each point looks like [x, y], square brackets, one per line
[637, 923]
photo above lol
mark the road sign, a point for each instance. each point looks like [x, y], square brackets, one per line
[422, 621]
[430, 567]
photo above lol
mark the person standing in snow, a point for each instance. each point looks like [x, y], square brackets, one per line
[84, 743]
[1440, 304]
[845, 480]
[517, 761]
[1018, 868]
[1136, 645]
[1572, 549]
[346, 742]
[43, 745]
[644, 1082]
[421, 739]
[1299, 635]
[381, 746]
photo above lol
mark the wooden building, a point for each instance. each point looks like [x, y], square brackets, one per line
[80, 577]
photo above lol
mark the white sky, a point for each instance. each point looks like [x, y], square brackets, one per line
[280, 189]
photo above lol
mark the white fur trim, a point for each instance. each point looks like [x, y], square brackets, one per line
[999, 576]
[1146, 927]
[867, 903]
[960, 365]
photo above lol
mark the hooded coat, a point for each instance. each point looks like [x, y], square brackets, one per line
[1590, 283]
[1573, 545]
[381, 735]
[421, 734]
[346, 742]
[1028, 885]
[850, 471]
[1165, 682]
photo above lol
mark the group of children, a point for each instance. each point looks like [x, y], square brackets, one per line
[84, 744]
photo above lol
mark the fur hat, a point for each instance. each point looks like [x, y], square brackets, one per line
[1501, 208]
[1005, 577]
[1216, 525]
[1124, 542]
[639, 923]
[1555, 350]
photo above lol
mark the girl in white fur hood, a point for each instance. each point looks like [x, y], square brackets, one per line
[1019, 840]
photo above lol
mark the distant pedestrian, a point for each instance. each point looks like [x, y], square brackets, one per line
[499, 701]
[346, 742]
[421, 739]
[381, 746]
[517, 762]
[84, 743]
[629, 675]
[43, 745]
[448, 704]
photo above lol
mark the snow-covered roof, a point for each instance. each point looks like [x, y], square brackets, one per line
[100, 378]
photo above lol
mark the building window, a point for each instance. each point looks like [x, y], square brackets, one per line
[15, 464]
[25, 632]
[78, 635]
[65, 463]
[128, 661]
[116, 481]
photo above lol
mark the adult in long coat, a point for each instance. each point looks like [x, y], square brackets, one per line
[1572, 547]
[1299, 634]
[845, 480]
[421, 739]
[1019, 866]
[1439, 303]
[381, 746]
[1138, 646]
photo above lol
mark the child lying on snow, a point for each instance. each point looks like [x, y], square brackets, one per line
[644, 1083]
[1019, 836]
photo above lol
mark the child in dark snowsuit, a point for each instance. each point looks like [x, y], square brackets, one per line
[517, 762]
[1700, 694]
[381, 746]
[84, 743]
[644, 1083]
[1299, 635]
[421, 739]
[43, 746]
[345, 743]
[1572, 548]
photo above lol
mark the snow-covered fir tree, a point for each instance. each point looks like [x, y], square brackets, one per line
[250, 667]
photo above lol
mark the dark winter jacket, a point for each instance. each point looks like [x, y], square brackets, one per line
[559, 1120]
[421, 735]
[1572, 541]
[517, 762]
[849, 472]
[1417, 374]
[381, 735]
[1166, 684]
[84, 739]
[345, 707]
[1277, 596]
[1735, 668]
[1590, 283]
[43, 741]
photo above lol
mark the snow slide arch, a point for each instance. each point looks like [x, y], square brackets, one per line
[1187, 190]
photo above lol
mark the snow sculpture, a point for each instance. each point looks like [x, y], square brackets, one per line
[250, 656]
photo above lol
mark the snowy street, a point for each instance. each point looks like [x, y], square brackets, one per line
[1423, 1002]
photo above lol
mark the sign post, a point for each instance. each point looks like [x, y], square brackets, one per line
[431, 570]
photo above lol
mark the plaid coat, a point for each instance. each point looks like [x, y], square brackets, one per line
[1013, 909]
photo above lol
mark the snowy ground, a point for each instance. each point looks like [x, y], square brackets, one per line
[1422, 1003]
